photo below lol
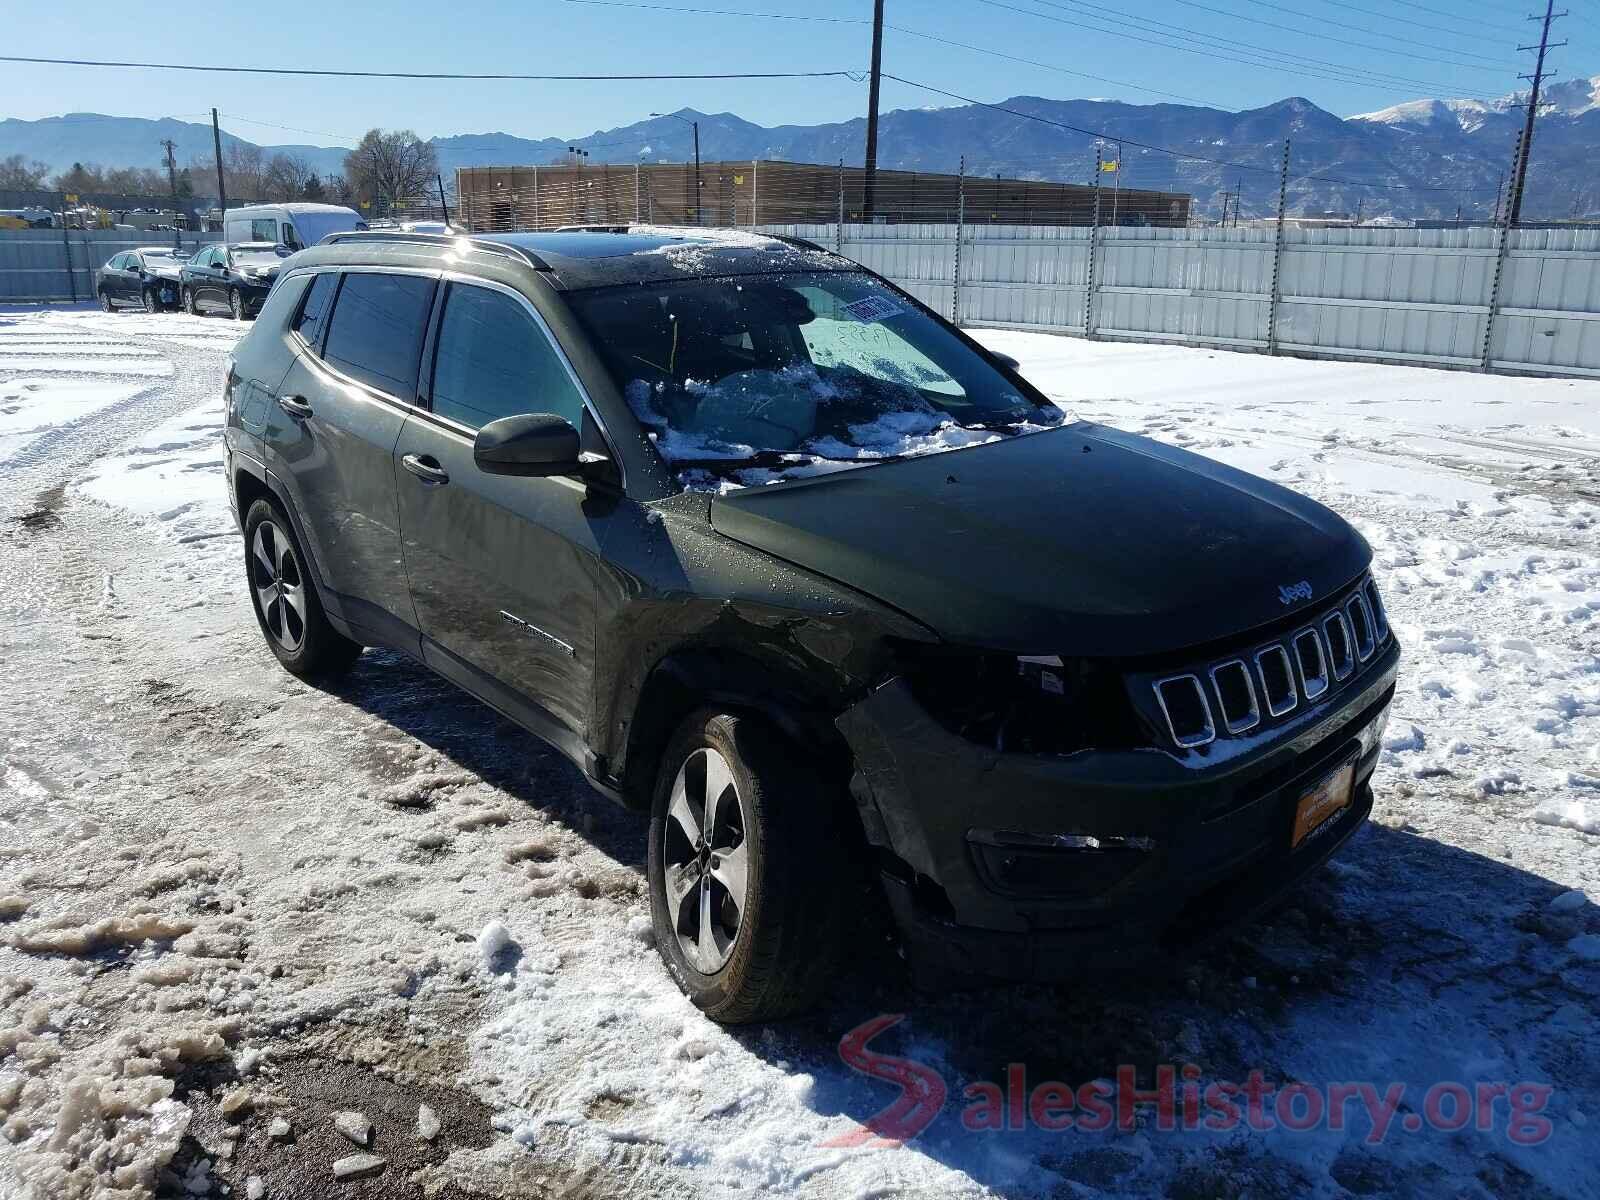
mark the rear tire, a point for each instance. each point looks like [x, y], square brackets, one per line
[775, 834]
[105, 301]
[188, 302]
[285, 598]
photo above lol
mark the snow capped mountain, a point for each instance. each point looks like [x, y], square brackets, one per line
[1567, 98]
[1466, 115]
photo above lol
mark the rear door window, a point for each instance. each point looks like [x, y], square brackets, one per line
[314, 312]
[375, 334]
[494, 360]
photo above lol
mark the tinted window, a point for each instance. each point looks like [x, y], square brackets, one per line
[314, 312]
[264, 230]
[494, 361]
[376, 329]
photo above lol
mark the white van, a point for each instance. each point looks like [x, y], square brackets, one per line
[293, 225]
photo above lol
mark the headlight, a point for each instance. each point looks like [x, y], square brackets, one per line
[1030, 704]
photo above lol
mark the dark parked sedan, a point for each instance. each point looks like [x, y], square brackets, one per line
[147, 276]
[234, 279]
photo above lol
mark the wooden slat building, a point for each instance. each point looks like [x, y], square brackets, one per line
[769, 192]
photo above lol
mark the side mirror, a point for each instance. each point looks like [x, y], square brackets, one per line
[528, 444]
[1006, 359]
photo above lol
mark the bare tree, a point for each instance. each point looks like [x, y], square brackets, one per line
[388, 167]
[21, 175]
[285, 177]
[245, 167]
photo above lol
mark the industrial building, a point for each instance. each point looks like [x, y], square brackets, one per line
[768, 192]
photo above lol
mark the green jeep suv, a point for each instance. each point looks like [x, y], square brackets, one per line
[775, 554]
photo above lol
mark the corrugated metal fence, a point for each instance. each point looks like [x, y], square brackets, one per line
[60, 264]
[1444, 297]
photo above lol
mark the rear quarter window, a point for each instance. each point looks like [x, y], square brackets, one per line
[375, 333]
[313, 315]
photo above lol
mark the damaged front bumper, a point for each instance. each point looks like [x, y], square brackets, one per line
[1033, 867]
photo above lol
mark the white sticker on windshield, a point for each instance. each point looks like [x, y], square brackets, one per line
[872, 308]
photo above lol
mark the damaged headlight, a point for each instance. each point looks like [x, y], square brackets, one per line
[1029, 704]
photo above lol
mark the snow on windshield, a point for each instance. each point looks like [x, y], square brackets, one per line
[745, 415]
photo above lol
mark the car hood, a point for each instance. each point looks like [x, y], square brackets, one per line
[1082, 540]
[165, 272]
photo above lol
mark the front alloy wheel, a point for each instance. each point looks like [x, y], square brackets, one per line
[750, 868]
[705, 859]
[236, 304]
[151, 304]
[279, 586]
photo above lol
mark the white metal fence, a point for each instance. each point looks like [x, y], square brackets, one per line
[1444, 297]
[60, 264]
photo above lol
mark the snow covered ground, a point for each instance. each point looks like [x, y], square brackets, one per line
[231, 903]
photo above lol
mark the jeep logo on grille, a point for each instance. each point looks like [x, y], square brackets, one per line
[1289, 593]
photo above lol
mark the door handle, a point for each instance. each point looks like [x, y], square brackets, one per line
[295, 406]
[425, 468]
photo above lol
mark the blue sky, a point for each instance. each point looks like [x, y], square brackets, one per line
[1478, 46]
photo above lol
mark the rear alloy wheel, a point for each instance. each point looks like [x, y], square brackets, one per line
[236, 304]
[105, 301]
[285, 599]
[188, 302]
[749, 874]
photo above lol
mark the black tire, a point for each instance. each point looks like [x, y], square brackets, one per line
[105, 301]
[188, 302]
[784, 953]
[151, 304]
[286, 604]
[235, 304]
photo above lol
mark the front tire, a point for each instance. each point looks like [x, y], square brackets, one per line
[285, 599]
[236, 304]
[151, 304]
[748, 874]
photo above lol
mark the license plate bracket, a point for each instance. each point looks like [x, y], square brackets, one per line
[1322, 804]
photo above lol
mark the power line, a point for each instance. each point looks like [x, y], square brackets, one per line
[1184, 32]
[231, 70]
[1051, 67]
[1432, 27]
[1496, 66]
[1293, 64]
[1183, 154]
[719, 12]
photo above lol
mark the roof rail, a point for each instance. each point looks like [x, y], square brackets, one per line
[593, 228]
[436, 239]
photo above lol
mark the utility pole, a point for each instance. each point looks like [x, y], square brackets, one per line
[172, 180]
[443, 207]
[1525, 146]
[222, 188]
[869, 180]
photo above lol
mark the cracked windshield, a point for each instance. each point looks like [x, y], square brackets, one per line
[785, 370]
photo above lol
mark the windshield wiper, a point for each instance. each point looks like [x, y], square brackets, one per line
[777, 459]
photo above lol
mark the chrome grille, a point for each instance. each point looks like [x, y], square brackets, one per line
[1236, 694]
[1188, 713]
[1240, 693]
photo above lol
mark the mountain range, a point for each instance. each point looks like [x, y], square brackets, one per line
[1422, 158]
